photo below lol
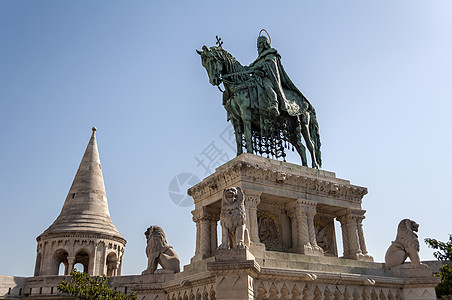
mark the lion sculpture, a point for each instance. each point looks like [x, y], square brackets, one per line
[233, 220]
[405, 245]
[159, 252]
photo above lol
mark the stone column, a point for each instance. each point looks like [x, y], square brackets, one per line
[70, 266]
[345, 239]
[292, 214]
[119, 271]
[359, 216]
[93, 262]
[303, 230]
[198, 234]
[204, 235]
[102, 249]
[302, 214]
[311, 212]
[48, 263]
[300, 234]
[252, 200]
[349, 236]
[213, 235]
[353, 235]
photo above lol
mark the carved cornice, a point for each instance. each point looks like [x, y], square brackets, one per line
[251, 267]
[338, 278]
[205, 214]
[312, 185]
[189, 282]
[75, 236]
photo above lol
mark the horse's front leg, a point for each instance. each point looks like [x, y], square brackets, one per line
[246, 118]
[248, 134]
[238, 135]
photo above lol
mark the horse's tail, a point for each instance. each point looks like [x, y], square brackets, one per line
[315, 135]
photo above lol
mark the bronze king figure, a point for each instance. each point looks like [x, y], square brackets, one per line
[266, 109]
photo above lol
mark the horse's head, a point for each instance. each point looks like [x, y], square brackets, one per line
[212, 62]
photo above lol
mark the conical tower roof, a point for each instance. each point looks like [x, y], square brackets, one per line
[85, 210]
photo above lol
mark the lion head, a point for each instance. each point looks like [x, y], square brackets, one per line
[156, 240]
[232, 195]
[406, 234]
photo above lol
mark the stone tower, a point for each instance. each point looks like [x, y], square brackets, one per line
[83, 233]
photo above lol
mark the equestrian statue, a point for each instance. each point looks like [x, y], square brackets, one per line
[266, 109]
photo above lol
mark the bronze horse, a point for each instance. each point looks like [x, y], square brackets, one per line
[263, 132]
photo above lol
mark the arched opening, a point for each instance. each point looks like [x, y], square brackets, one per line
[62, 269]
[60, 266]
[82, 258]
[112, 264]
[79, 267]
[38, 265]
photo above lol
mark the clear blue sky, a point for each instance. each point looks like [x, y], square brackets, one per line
[379, 75]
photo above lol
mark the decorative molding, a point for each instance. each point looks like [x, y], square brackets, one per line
[319, 186]
[250, 267]
[72, 235]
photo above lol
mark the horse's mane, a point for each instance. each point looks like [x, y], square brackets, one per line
[232, 65]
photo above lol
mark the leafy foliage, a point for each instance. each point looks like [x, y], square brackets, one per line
[444, 254]
[85, 287]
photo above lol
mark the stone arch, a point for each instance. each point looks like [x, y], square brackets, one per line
[374, 295]
[338, 295]
[382, 295]
[261, 291]
[285, 292]
[112, 263]
[390, 296]
[317, 294]
[212, 295]
[307, 294]
[296, 294]
[327, 295]
[365, 294]
[347, 295]
[82, 257]
[356, 295]
[60, 256]
[274, 292]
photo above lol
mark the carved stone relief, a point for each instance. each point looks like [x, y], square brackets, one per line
[269, 230]
[325, 234]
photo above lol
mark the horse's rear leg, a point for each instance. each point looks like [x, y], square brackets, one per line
[301, 149]
[310, 144]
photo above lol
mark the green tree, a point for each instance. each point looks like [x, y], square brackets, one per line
[85, 287]
[443, 254]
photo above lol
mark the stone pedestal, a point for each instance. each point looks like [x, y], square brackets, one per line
[235, 271]
[289, 208]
